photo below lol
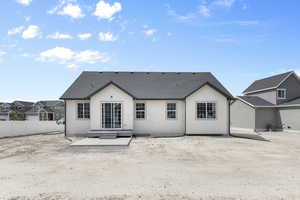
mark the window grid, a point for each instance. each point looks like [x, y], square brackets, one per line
[140, 110]
[171, 111]
[83, 110]
[206, 110]
[281, 93]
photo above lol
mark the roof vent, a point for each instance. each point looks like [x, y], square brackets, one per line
[100, 72]
[131, 72]
[116, 72]
[178, 73]
[147, 72]
[194, 73]
[163, 73]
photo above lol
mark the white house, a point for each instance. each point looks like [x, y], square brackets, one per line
[147, 103]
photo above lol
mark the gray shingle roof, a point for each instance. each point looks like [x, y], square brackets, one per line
[266, 83]
[51, 103]
[292, 102]
[144, 85]
[255, 101]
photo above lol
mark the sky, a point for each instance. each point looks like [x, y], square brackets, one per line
[45, 45]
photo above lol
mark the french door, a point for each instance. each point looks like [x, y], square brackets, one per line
[111, 115]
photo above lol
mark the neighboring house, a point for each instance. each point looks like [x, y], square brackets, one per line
[52, 110]
[269, 103]
[147, 103]
[18, 110]
[4, 111]
[40, 111]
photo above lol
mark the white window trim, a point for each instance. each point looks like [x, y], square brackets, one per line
[209, 119]
[281, 89]
[83, 113]
[145, 111]
[166, 113]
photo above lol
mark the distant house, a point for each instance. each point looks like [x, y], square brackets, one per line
[40, 111]
[269, 103]
[4, 111]
[147, 103]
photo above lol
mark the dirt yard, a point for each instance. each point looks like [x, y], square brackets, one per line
[45, 167]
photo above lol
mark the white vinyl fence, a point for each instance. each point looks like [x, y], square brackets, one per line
[21, 128]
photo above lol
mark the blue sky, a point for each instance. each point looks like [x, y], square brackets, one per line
[45, 45]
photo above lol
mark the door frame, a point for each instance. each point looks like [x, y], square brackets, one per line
[101, 117]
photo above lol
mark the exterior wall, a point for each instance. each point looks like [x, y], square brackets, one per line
[290, 118]
[32, 118]
[265, 117]
[20, 128]
[242, 116]
[269, 95]
[74, 125]
[156, 122]
[292, 86]
[112, 94]
[197, 126]
[4, 117]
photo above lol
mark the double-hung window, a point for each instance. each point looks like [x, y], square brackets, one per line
[281, 93]
[206, 110]
[140, 111]
[171, 111]
[83, 110]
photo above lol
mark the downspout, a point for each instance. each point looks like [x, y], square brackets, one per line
[229, 116]
[65, 122]
[185, 117]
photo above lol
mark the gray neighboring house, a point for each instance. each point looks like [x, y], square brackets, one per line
[48, 110]
[159, 104]
[269, 103]
[4, 111]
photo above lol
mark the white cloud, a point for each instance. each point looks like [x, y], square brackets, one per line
[24, 2]
[204, 11]
[84, 36]
[107, 37]
[58, 35]
[106, 11]
[15, 31]
[179, 17]
[27, 19]
[31, 32]
[2, 53]
[72, 58]
[169, 34]
[71, 10]
[150, 32]
[66, 7]
[224, 3]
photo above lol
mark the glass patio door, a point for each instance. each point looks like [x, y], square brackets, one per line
[111, 115]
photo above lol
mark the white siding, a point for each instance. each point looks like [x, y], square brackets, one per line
[197, 126]
[74, 125]
[156, 122]
[32, 118]
[112, 94]
[269, 96]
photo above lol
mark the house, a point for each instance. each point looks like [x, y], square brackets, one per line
[269, 103]
[50, 110]
[4, 111]
[147, 103]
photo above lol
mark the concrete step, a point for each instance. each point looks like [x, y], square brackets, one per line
[117, 132]
[108, 136]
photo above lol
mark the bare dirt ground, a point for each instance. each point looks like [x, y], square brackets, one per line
[45, 167]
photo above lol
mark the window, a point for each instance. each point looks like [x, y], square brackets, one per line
[171, 110]
[206, 110]
[140, 111]
[281, 93]
[83, 110]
